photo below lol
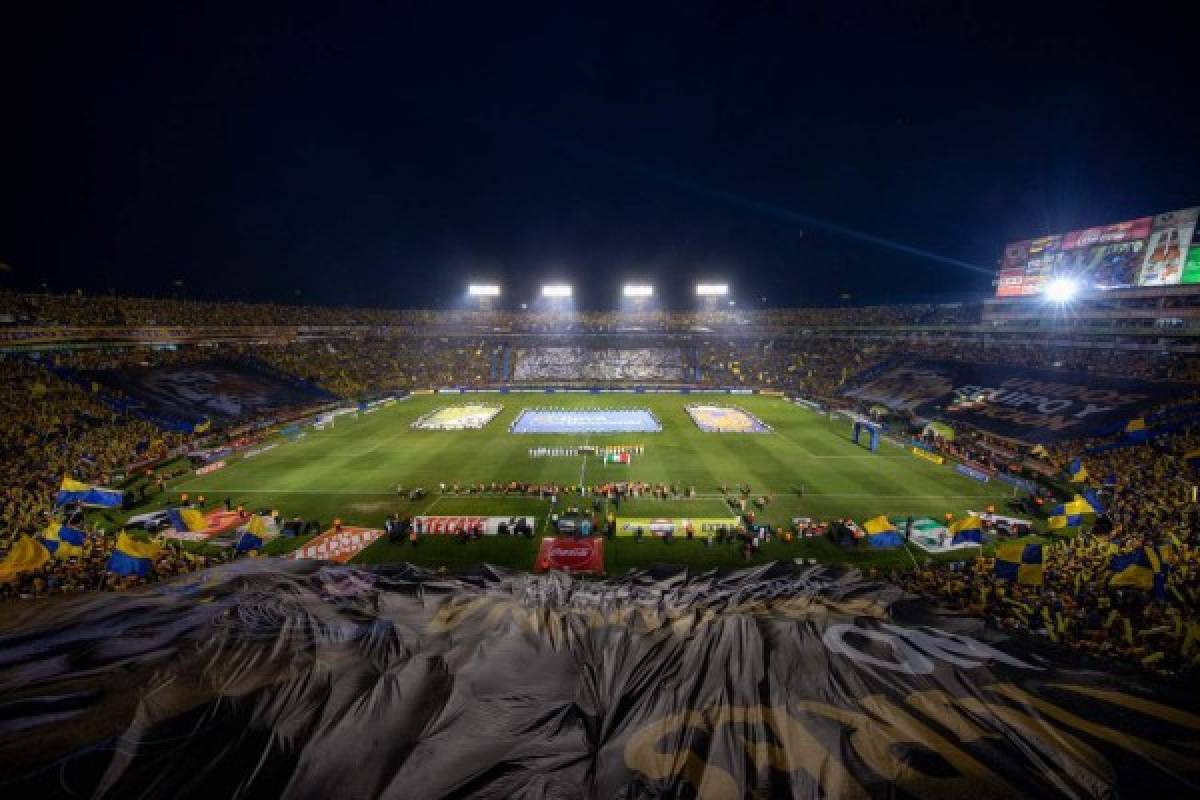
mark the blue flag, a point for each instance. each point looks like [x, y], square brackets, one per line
[1141, 569]
[131, 557]
[1019, 562]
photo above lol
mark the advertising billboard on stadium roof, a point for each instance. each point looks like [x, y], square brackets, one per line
[1162, 250]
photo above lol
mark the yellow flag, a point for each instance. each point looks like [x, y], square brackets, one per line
[27, 554]
[71, 485]
[132, 547]
[193, 519]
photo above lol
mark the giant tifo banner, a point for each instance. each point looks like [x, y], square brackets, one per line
[218, 390]
[1162, 250]
[301, 679]
[1033, 405]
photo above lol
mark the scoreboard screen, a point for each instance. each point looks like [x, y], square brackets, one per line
[1163, 250]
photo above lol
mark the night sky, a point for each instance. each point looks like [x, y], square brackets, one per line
[386, 154]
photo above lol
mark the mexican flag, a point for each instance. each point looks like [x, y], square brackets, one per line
[616, 458]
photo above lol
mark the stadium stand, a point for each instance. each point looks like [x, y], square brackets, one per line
[55, 422]
[579, 364]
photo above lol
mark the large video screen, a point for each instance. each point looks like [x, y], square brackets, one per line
[1163, 250]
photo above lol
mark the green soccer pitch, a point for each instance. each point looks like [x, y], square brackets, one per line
[807, 464]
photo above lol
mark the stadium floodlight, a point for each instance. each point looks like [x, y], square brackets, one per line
[483, 290]
[1062, 290]
[556, 290]
[712, 289]
[638, 290]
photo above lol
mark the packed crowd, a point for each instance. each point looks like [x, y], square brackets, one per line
[50, 428]
[816, 366]
[654, 364]
[1148, 501]
[78, 309]
[89, 571]
[1077, 608]
[369, 365]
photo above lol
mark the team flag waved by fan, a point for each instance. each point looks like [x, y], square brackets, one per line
[1141, 569]
[203, 426]
[27, 554]
[131, 557]
[1136, 430]
[1077, 471]
[1088, 502]
[1067, 515]
[186, 519]
[63, 542]
[257, 526]
[616, 458]
[252, 535]
[73, 491]
[880, 524]
[248, 542]
[968, 529]
[881, 532]
[1019, 562]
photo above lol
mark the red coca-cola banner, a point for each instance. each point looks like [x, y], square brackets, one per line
[571, 555]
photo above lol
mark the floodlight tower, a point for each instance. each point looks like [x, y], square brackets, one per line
[1062, 291]
[637, 296]
[485, 294]
[557, 303]
[557, 299]
[711, 294]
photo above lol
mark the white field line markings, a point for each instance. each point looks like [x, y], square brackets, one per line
[583, 465]
[777, 493]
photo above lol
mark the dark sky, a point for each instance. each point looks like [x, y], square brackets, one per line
[385, 154]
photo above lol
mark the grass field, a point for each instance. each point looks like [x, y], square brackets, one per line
[807, 464]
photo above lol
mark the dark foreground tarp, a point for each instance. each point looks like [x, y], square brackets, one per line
[302, 680]
[1034, 405]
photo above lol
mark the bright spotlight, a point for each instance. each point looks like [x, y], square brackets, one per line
[1062, 290]
[638, 290]
[712, 289]
[483, 290]
[556, 290]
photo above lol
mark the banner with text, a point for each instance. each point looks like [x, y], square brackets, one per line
[577, 556]
[450, 525]
[305, 679]
[1034, 405]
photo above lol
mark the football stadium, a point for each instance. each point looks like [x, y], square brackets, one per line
[783, 505]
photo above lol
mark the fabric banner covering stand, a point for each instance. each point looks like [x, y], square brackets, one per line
[302, 679]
